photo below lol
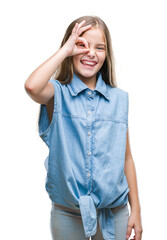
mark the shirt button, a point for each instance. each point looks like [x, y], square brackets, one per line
[89, 112]
[88, 175]
[89, 92]
[89, 153]
[89, 133]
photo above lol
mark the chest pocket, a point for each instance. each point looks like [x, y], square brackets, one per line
[115, 110]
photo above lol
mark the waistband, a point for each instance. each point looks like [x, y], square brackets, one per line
[67, 209]
[64, 208]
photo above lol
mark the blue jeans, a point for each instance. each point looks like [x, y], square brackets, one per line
[66, 223]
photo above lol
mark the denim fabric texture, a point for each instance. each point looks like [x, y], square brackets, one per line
[87, 141]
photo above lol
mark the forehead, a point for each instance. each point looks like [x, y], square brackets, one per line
[94, 35]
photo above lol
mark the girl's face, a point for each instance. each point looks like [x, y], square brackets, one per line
[88, 64]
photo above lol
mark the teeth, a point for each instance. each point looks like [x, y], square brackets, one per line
[89, 63]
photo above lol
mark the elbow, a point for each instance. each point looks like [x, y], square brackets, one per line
[128, 158]
[29, 88]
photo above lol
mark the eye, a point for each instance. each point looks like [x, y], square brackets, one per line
[100, 48]
[80, 45]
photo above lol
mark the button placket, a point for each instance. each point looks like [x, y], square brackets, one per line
[90, 94]
[89, 143]
[89, 133]
[88, 175]
[89, 153]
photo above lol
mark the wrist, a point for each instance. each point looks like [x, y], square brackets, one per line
[136, 209]
[65, 51]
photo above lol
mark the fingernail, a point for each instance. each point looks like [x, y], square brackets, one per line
[127, 236]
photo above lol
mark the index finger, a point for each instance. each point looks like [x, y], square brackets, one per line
[83, 29]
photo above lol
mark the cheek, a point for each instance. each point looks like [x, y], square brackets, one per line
[102, 58]
[76, 60]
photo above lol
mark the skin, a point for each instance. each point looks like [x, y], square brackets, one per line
[97, 52]
[41, 91]
[96, 55]
[95, 41]
[134, 221]
[37, 84]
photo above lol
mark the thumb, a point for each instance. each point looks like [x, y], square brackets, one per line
[128, 232]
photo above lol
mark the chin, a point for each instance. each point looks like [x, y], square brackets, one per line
[86, 74]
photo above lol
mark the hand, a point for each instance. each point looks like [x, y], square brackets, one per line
[71, 44]
[134, 222]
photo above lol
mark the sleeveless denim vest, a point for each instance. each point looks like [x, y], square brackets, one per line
[86, 139]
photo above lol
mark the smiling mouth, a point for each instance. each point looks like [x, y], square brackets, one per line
[88, 63]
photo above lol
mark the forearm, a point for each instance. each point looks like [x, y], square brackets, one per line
[39, 78]
[132, 183]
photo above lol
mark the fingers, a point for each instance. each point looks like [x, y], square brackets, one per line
[82, 46]
[82, 40]
[138, 233]
[74, 31]
[78, 29]
[128, 232]
[82, 23]
[83, 29]
[74, 39]
[82, 51]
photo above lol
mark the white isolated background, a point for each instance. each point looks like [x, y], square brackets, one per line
[31, 31]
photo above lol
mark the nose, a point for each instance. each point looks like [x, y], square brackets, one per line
[91, 53]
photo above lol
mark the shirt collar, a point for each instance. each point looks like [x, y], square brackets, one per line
[76, 86]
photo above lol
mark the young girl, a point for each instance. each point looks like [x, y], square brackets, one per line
[84, 122]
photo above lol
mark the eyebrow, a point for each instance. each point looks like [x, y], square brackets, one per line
[101, 44]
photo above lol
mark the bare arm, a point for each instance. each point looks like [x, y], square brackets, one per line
[37, 85]
[134, 220]
[131, 178]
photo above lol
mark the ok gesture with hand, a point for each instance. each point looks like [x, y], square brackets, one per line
[71, 44]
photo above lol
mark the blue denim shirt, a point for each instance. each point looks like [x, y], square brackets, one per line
[87, 141]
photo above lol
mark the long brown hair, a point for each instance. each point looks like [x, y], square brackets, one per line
[64, 72]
